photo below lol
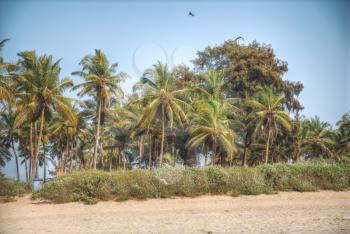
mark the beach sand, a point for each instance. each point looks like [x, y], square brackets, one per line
[286, 212]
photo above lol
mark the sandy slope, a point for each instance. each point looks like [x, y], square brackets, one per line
[318, 212]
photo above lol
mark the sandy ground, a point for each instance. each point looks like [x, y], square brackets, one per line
[293, 212]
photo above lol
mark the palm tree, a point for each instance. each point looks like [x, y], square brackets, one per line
[341, 145]
[317, 136]
[11, 134]
[212, 86]
[40, 94]
[101, 82]
[5, 145]
[162, 94]
[268, 113]
[341, 136]
[6, 91]
[210, 125]
[65, 131]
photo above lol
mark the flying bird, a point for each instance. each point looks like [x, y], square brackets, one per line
[190, 13]
[239, 38]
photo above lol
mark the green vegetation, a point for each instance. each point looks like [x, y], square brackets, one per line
[10, 189]
[93, 186]
[233, 108]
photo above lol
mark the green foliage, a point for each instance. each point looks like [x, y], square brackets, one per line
[10, 189]
[307, 177]
[234, 107]
[93, 186]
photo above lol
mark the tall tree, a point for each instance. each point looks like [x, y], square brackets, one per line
[11, 135]
[6, 89]
[268, 112]
[341, 136]
[246, 67]
[162, 93]
[40, 93]
[101, 82]
[317, 138]
[210, 125]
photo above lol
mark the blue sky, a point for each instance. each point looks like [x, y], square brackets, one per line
[312, 36]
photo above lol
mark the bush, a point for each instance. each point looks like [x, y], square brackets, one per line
[93, 186]
[10, 189]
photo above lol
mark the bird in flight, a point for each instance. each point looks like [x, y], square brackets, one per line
[190, 13]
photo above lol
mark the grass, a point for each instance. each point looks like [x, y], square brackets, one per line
[10, 189]
[93, 186]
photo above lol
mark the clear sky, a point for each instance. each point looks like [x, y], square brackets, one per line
[312, 36]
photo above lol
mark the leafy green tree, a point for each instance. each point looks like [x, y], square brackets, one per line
[247, 67]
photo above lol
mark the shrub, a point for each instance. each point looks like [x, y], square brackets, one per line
[93, 186]
[249, 181]
[10, 189]
[218, 179]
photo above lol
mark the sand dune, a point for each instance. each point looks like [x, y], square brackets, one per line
[318, 212]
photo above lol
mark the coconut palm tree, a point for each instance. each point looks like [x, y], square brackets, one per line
[341, 145]
[162, 94]
[102, 83]
[5, 154]
[211, 88]
[6, 90]
[40, 93]
[341, 136]
[11, 134]
[268, 115]
[317, 137]
[65, 131]
[210, 125]
[212, 85]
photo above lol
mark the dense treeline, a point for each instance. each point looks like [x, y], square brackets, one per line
[233, 108]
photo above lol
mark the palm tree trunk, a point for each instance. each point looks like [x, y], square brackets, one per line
[39, 143]
[30, 170]
[162, 140]
[26, 168]
[123, 158]
[35, 142]
[65, 156]
[245, 156]
[119, 158]
[141, 149]
[110, 160]
[205, 155]
[31, 150]
[70, 165]
[214, 153]
[97, 134]
[150, 151]
[245, 151]
[173, 145]
[267, 148]
[16, 158]
[156, 155]
[221, 156]
[44, 163]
